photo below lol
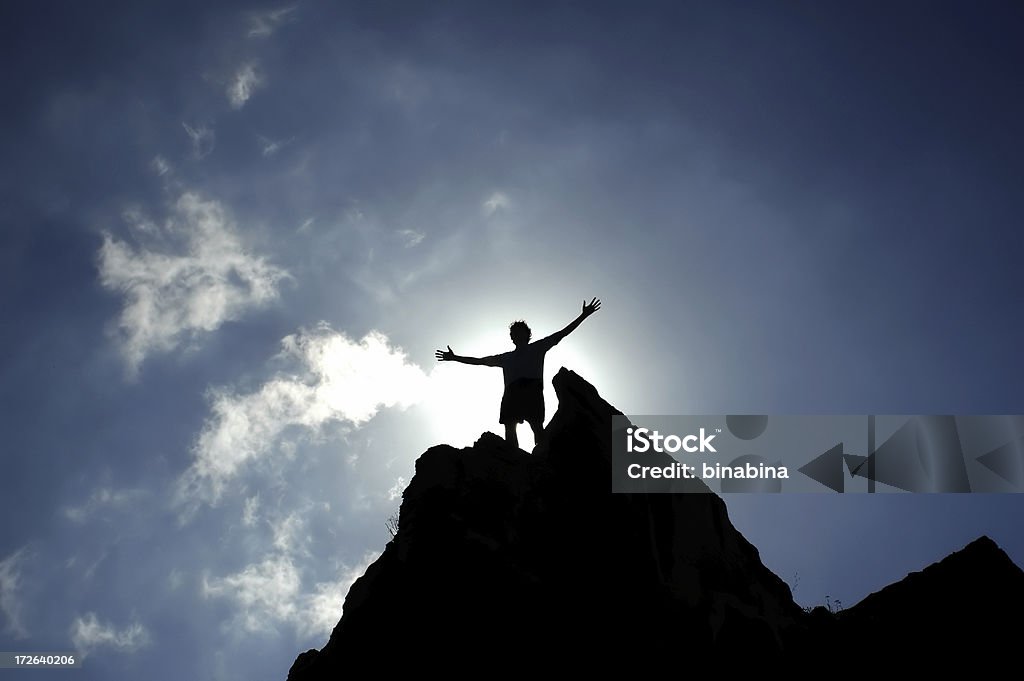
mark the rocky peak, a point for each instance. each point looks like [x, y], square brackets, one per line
[518, 557]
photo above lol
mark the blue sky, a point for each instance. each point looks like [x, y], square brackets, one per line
[233, 237]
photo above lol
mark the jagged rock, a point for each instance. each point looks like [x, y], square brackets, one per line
[970, 601]
[525, 558]
[502, 550]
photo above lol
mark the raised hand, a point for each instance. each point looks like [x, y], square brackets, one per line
[591, 307]
[444, 355]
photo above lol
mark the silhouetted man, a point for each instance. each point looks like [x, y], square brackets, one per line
[524, 373]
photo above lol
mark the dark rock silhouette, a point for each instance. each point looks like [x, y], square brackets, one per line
[970, 601]
[509, 559]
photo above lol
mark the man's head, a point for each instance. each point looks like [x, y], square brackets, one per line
[519, 332]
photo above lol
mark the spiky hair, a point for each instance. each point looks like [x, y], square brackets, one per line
[519, 327]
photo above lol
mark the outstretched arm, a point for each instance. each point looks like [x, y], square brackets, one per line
[449, 356]
[588, 309]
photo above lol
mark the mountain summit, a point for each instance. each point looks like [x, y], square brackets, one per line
[514, 558]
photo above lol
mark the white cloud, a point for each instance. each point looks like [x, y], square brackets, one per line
[288, 534]
[264, 24]
[264, 592]
[495, 202]
[10, 598]
[339, 381]
[396, 490]
[250, 510]
[322, 607]
[103, 498]
[269, 147]
[202, 139]
[88, 634]
[269, 594]
[411, 237]
[171, 296]
[243, 84]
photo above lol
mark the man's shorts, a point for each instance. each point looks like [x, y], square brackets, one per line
[523, 401]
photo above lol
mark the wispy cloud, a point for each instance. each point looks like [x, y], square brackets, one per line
[264, 592]
[103, 498]
[494, 203]
[243, 84]
[10, 596]
[196, 278]
[411, 237]
[139, 222]
[88, 634]
[269, 147]
[323, 605]
[251, 510]
[396, 490]
[264, 24]
[269, 594]
[289, 533]
[339, 380]
[160, 165]
[202, 139]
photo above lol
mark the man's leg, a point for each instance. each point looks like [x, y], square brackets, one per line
[510, 434]
[538, 431]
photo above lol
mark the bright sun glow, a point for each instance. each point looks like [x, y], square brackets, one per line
[463, 402]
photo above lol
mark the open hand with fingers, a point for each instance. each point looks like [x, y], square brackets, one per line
[444, 355]
[591, 307]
